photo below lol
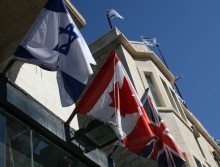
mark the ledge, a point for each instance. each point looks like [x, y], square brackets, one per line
[167, 110]
[22, 106]
[114, 38]
[194, 121]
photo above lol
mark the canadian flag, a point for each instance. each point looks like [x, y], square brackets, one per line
[112, 99]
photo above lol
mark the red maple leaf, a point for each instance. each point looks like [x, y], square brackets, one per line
[123, 99]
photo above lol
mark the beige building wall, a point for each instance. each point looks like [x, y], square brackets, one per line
[42, 86]
[141, 63]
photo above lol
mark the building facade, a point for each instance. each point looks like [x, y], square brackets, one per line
[33, 121]
[146, 70]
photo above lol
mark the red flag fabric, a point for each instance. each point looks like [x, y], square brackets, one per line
[112, 99]
[163, 148]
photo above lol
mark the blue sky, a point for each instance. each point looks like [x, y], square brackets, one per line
[189, 36]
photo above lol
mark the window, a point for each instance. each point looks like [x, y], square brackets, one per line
[178, 105]
[169, 96]
[21, 146]
[174, 101]
[153, 90]
[198, 163]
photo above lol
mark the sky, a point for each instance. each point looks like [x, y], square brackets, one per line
[189, 36]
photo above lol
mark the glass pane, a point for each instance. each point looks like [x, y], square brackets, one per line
[197, 162]
[47, 154]
[169, 95]
[153, 91]
[20, 146]
[18, 152]
[178, 105]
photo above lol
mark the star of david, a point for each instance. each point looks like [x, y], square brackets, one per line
[64, 48]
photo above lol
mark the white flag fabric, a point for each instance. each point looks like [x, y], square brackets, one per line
[54, 41]
[112, 14]
[150, 41]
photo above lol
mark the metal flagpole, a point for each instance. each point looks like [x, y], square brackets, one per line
[157, 45]
[175, 85]
[177, 89]
[70, 118]
[113, 150]
[67, 126]
[109, 20]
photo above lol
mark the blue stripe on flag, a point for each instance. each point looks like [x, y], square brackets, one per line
[147, 150]
[70, 89]
[178, 161]
[24, 55]
[21, 52]
[162, 159]
[56, 6]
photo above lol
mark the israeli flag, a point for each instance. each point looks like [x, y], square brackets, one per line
[150, 41]
[113, 13]
[55, 42]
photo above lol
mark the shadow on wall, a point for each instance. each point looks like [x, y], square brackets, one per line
[8, 76]
[13, 71]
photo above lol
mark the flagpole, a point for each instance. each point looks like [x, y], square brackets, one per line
[144, 97]
[157, 45]
[114, 149]
[109, 21]
[70, 118]
[178, 91]
[175, 85]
